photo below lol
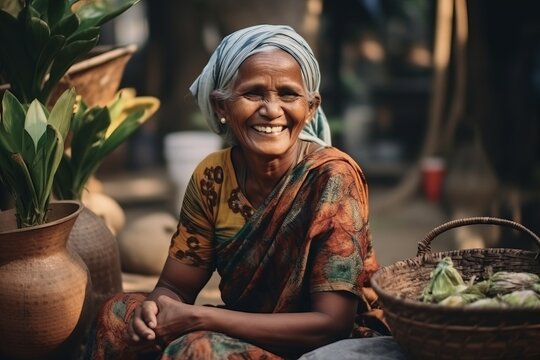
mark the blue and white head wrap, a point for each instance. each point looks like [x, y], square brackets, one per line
[236, 47]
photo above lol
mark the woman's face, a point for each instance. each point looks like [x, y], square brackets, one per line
[269, 104]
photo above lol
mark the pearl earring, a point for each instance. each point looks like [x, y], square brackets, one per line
[223, 120]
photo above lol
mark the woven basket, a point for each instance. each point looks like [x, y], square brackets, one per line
[98, 77]
[432, 331]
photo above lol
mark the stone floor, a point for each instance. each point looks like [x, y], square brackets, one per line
[395, 230]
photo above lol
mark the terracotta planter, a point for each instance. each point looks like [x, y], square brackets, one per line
[44, 286]
[97, 246]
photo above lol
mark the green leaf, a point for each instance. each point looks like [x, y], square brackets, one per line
[65, 58]
[115, 106]
[37, 35]
[56, 11]
[8, 170]
[62, 112]
[78, 118]
[63, 180]
[44, 62]
[122, 132]
[66, 26]
[85, 35]
[12, 122]
[97, 13]
[54, 146]
[89, 136]
[38, 167]
[40, 6]
[28, 150]
[95, 156]
[35, 122]
[26, 179]
[14, 58]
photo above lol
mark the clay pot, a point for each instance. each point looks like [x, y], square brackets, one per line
[107, 208]
[97, 246]
[45, 286]
[144, 243]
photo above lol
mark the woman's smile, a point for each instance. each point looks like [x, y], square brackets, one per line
[275, 130]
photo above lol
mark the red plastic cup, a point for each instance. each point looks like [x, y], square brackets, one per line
[433, 169]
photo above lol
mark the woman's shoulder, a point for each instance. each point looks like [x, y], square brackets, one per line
[332, 158]
[220, 158]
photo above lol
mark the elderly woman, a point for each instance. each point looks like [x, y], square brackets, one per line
[280, 214]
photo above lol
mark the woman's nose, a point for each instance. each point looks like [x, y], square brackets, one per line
[271, 107]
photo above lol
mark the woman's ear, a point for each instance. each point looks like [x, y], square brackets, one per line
[314, 104]
[218, 105]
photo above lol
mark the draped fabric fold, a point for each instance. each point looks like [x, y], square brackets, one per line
[310, 235]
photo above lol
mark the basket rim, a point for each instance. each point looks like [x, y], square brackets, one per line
[418, 305]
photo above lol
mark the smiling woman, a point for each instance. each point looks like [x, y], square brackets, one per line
[280, 214]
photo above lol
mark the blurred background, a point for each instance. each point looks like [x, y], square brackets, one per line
[438, 101]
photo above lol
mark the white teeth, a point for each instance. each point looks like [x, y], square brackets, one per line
[269, 129]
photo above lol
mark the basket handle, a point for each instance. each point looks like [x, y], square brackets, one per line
[424, 246]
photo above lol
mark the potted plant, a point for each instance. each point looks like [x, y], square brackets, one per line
[40, 40]
[31, 146]
[39, 274]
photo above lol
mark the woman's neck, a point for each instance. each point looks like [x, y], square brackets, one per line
[258, 176]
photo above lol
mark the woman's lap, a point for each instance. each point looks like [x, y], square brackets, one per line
[106, 340]
[212, 345]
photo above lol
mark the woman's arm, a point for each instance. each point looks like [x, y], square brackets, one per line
[284, 333]
[183, 280]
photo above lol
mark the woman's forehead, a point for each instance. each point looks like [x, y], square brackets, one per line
[270, 61]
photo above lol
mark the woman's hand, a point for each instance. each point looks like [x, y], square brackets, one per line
[174, 318]
[163, 316]
[141, 335]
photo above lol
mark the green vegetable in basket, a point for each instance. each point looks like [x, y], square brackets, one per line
[445, 280]
[488, 303]
[465, 294]
[481, 287]
[461, 299]
[522, 298]
[504, 282]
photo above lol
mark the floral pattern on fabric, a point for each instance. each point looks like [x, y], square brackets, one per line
[235, 204]
[107, 337]
[212, 175]
[190, 254]
[211, 345]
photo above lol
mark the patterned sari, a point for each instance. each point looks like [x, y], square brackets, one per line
[310, 235]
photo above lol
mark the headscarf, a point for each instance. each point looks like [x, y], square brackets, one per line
[236, 47]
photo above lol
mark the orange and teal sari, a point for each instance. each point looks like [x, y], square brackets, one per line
[310, 235]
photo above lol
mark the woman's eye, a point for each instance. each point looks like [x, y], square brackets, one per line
[288, 96]
[252, 95]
